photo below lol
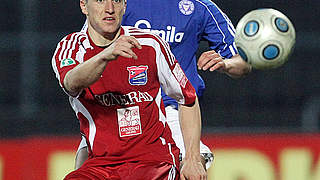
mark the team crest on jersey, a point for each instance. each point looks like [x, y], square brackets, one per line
[67, 62]
[186, 7]
[138, 75]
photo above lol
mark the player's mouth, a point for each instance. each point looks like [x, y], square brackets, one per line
[109, 19]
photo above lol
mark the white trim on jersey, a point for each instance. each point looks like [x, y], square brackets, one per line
[166, 46]
[231, 47]
[234, 47]
[63, 53]
[80, 54]
[172, 173]
[172, 155]
[169, 82]
[231, 32]
[70, 41]
[53, 60]
[74, 43]
[227, 20]
[173, 159]
[82, 144]
[54, 64]
[230, 25]
[63, 46]
[79, 107]
[69, 45]
[162, 117]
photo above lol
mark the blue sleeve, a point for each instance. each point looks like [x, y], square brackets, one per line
[218, 30]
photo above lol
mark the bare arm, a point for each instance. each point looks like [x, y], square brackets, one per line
[234, 67]
[85, 74]
[88, 72]
[190, 121]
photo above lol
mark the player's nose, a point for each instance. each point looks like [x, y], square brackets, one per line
[109, 7]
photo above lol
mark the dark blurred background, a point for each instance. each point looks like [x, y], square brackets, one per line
[286, 99]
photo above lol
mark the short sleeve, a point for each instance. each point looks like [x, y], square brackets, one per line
[66, 56]
[172, 78]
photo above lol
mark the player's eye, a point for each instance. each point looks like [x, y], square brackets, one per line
[117, 1]
[114, 1]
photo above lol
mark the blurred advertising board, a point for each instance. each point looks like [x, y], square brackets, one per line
[237, 157]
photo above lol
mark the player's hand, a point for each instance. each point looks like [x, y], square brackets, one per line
[121, 47]
[192, 170]
[212, 61]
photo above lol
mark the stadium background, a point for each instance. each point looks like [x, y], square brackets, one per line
[269, 119]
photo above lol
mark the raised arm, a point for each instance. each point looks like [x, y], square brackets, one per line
[88, 72]
[85, 74]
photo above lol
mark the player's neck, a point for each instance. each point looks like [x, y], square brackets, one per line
[103, 41]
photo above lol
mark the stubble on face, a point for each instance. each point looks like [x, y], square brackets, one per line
[104, 19]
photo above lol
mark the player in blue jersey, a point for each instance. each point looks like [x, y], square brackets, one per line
[183, 24]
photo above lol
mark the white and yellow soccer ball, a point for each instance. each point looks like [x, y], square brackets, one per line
[265, 38]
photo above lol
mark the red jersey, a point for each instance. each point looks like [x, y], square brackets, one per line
[122, 115]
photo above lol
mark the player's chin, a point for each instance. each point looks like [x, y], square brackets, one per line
[110, 28]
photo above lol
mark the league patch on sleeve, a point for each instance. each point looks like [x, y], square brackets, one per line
[129, 121]
[67, 62]
[179, 74]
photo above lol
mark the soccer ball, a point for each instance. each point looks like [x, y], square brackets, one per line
[265, 38]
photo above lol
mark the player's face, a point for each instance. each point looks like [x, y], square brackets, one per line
[104, 16]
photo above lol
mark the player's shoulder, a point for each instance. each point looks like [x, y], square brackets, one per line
[143, 34]
[207, 5]
[147, 38]
[74, 37]
[137, 32]
[204, 2]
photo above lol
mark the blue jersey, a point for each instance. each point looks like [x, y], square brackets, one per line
[184, 23]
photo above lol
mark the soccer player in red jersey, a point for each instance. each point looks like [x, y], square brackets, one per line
[113, 76]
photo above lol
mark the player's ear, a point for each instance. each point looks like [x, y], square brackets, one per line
[83, 6]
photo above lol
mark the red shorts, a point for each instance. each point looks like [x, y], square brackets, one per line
[126, 171]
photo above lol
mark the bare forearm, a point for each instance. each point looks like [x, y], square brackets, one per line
[190, 121]
[236, 67]
[84, 74]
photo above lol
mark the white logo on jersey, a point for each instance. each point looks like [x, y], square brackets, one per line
[186, 7]
[129, 121]
[111, 99]
[181, 77]
[168, 35]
